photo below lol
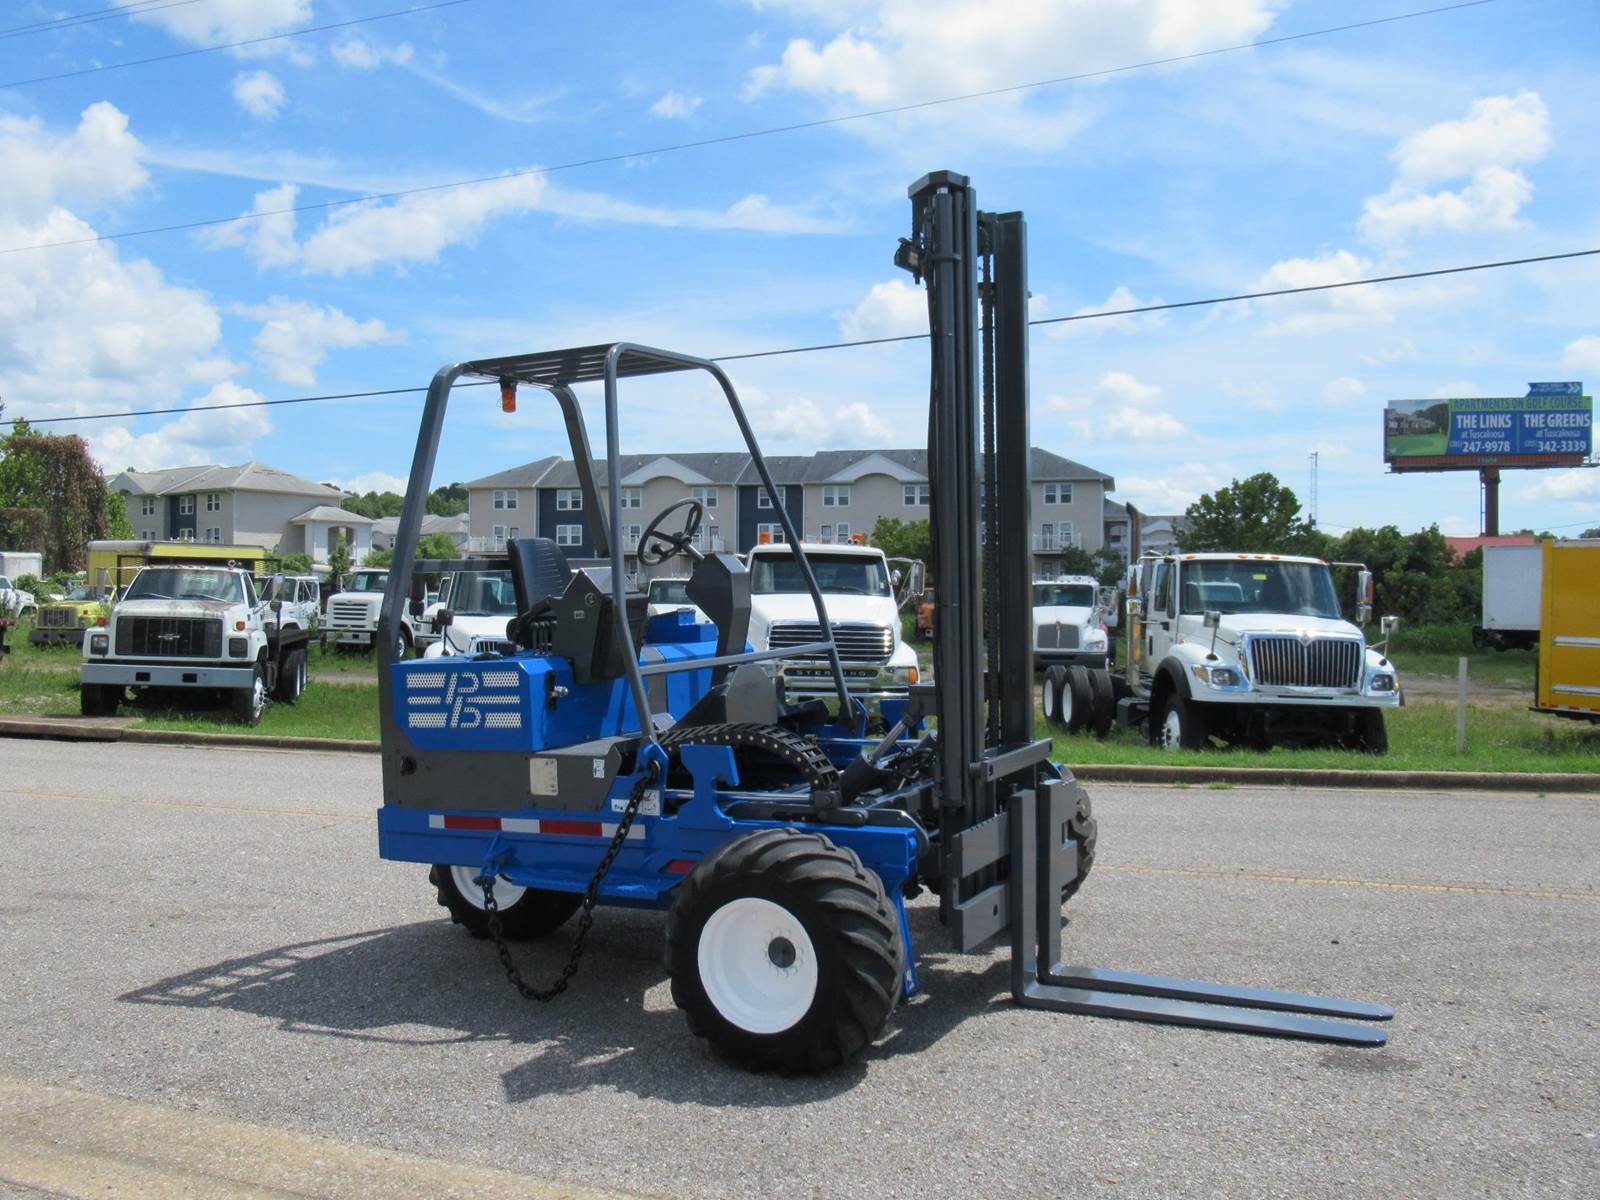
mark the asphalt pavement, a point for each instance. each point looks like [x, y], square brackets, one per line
[210, 934]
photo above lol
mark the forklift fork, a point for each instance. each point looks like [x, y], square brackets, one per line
[1033, 834]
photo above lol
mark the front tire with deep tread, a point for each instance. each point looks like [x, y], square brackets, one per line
[853, 931]
[1182, 725]
[534, 912]
[1077, 705]
[1103, 709]
[248, 703]
[1372, 734]
[99, 699]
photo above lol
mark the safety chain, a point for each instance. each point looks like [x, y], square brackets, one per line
[586, 918]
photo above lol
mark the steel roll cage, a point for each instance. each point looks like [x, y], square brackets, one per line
[555, 372]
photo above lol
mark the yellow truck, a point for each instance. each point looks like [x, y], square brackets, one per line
[112, 565]
[1567, 682]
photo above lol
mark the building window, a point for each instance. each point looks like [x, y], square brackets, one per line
[186, 535]
[569, 535]
[569, 500]
[825, 534]
[213, 534]
[499, 533]
[706, 495]
[147, 535]
[765, 501]
[513, 533]
[630, 537]
[632, 498]
[147, 506]
[213, 501]
[841, 533]
[914, 494]
[186, 506]
[770, 533]
[836, 495]
[505, 498]
[1058, 493]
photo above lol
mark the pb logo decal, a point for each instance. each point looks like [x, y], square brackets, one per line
[463, 700]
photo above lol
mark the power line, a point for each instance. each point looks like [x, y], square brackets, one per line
[255, 41]
[725, 139]
[94, 15]
[881, 341]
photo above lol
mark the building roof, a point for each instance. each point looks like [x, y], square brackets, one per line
[329, 512]
[527, 475]
[1115, 511]
[431, 523]
[1463, 546]
[247, 477]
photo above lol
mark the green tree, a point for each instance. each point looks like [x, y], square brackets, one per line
[438, 545]
[295, 564]
[1258, 515]
[339, 564]
[448, 501]
[1417, 575]
[117, 523]
[1591, 533]
[1076, 561]
[378, 558]
[1109, 567]
[374, 504]
[54, 475]
[904, 539]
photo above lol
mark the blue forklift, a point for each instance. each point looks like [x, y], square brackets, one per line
[597, 756]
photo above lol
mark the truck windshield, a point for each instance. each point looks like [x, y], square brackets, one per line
[837, 574]
[368, 581]
[669, 591]
[168, 583]
[1063, 595]
[483, 594]
[83, 592]
[1253, 586]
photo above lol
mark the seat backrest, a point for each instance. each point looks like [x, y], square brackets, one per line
[539, 569]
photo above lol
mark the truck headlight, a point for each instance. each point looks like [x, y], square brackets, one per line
[1220, 677]
[1382, 683]
[905, 675]
[1095, 639]
[99, 643]
[238, 647]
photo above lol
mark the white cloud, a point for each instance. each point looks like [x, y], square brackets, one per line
[98, 161]
[358, 54]
[1579, 487]
[270, 239]
[202, 434]
[1323, 311]
[259, 93]
[890, 309]
[374, 481]
[1120, 298]
[295, 337]
[675, 106]
[1344, 390]
[1583, 354]
[891, 52]
[1119, 405]
[223, 20]
[1497, 131]
[1175, 489]
[797, 422]
[1498, 134]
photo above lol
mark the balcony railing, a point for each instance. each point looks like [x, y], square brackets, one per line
[1052, 543]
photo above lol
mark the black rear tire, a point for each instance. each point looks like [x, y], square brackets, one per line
[1081, 707]
[1052, 692]
[1372, 734]
[99, 699]
[845, 941]
[292, 674]
[533, 914]
[1103, 708]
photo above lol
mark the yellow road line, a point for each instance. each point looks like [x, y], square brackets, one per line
[1318, 881]
[197, 806]
[74, 1143]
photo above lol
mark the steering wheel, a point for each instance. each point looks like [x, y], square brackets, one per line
[656, 547]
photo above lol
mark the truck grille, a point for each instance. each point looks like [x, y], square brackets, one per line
[1057, 637]
[58, 618]
[169, 637]
[1323, 662]
[857, 643]
[349, 614]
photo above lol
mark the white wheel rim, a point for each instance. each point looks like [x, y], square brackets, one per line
[1049, 698]
[1172, 731]
[1066, 705]
[505, 893]
[757, 965]
[258, 695]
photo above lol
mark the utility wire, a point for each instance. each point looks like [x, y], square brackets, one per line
[94, 15]
[255, 41]
[880, 341]
[724, 139]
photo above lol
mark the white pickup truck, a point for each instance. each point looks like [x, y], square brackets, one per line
[192, 630]
[856, 590]
[352, 616]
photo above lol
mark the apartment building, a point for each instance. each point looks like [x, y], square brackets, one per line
[249, 505]
[831, 496]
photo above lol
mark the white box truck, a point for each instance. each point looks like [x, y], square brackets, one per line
[1513, 597]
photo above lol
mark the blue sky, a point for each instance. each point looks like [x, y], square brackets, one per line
[1459, 137]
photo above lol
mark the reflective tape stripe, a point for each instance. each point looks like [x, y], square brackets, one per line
[547, 826]
[1578, 641]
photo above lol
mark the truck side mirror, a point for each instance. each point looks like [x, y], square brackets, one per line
[1135, 606]
[1364, 593]
[443, 619]
[416, 607]
[1213, 618]
[277, 608]
[1389, 624]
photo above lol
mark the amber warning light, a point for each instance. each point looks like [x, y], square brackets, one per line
[508, 395]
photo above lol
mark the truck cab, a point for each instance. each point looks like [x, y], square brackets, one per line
[859, 597]
[352, 617]
[1254, 649]
[1069, 623]
[471, 614]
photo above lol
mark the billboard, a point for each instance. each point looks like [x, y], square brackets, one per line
[1552, 426]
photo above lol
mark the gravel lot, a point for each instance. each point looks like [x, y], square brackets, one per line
[212, 929]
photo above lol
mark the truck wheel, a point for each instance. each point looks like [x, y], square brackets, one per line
[1103, 706]
[785, 954]
[525, 913]
[1372, 735]
[292, 677]
[1086, 831]
[248, 703]
[1077, 701]
[99, 699]
[1052, 695]
[1182, 725]
[402, 644]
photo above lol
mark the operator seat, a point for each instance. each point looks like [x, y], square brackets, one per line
[539, 570]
